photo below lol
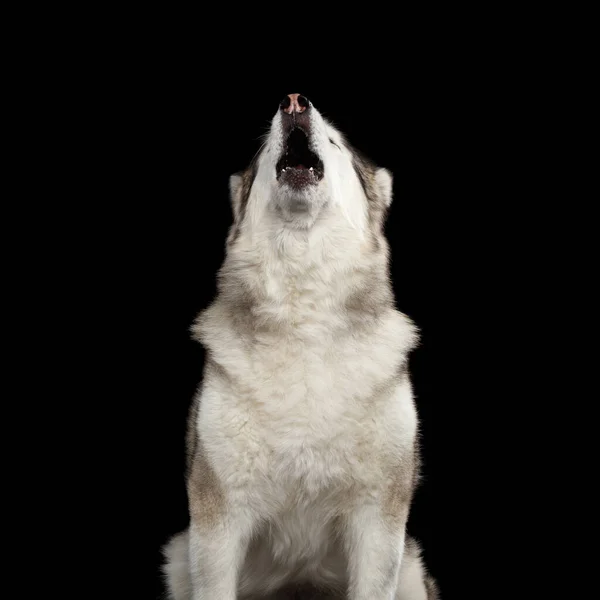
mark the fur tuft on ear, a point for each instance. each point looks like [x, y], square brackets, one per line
[235, 194]
[384, 182]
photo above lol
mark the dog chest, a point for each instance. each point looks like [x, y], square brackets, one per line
[307, 416]
[283, 407]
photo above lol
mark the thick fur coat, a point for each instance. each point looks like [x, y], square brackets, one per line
[302, 440]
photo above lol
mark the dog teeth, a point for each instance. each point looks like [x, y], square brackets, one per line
[311, 169]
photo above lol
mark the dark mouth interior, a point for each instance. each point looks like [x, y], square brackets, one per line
[297, 154]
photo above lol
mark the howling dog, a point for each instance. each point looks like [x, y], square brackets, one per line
[302, 440]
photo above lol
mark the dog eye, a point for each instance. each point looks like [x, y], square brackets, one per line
[334, 144]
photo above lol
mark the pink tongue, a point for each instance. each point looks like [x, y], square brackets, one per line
[300, 167]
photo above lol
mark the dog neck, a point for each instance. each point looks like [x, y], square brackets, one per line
[278, 279]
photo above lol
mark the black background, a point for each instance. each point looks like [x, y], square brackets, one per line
[174, 131]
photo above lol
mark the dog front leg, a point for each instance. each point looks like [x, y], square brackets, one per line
[374, 545]
[219, 535]
[216, 556]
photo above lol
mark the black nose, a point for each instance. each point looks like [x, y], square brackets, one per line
[294, 103]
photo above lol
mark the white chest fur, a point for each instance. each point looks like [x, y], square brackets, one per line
[301, 399]
[305, 413]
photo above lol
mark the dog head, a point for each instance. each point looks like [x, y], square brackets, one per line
[307, 172]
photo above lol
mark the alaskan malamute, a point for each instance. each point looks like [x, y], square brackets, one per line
[302, 441]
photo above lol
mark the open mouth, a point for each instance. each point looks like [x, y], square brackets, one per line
[299, 165]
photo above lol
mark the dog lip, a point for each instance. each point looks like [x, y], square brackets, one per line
[299, 178]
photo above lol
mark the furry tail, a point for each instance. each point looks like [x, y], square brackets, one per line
[176, 569]
[414, 582]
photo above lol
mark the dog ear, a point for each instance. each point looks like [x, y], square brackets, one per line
[235, 194]
[384, 181]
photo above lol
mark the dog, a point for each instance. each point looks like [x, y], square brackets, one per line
[303, 438]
